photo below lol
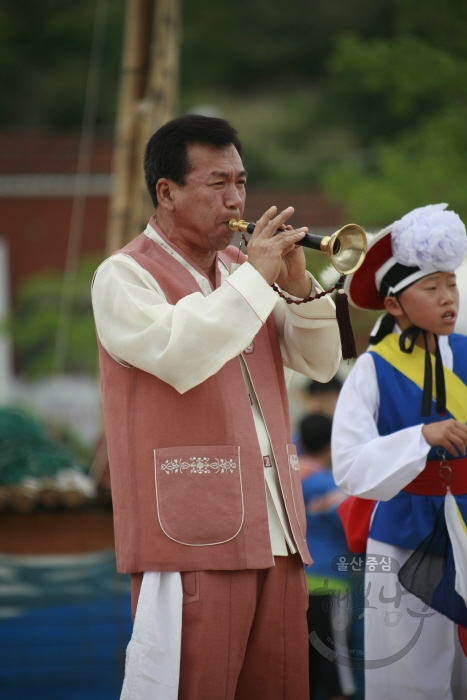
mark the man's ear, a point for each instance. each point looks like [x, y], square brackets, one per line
[392, 306]
[164, 192]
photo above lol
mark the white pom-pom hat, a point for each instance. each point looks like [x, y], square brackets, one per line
[426, 240]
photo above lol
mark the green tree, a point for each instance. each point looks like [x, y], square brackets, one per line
[35, 321]
[313, 86]
[416, 85]
[44, 58]
[426, 165]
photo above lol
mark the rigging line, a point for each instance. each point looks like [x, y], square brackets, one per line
[81, 184]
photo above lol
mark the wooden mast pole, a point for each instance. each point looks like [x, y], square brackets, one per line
[133, 76]
[160, 102]
[148, 96]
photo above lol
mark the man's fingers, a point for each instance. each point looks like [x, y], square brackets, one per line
[264, 221]
[287, 250]
[269, 223]
[289, 237]
[281, 218]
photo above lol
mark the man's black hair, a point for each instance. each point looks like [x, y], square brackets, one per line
[315, 432]
[166, 151]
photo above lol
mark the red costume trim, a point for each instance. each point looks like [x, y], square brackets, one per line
[355, 513]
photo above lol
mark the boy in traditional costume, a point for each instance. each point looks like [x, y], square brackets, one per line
[399, 442]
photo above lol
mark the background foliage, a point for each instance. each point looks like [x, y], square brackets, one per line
[35, 323]
[366, 99]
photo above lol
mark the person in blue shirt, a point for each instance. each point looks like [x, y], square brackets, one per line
[328, 578]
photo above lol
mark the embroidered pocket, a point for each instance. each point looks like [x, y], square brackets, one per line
[296, 487]
[199, 493]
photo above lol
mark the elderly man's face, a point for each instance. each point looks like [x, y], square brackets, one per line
[214, 193]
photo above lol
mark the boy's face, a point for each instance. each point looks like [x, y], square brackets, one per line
[432, 304]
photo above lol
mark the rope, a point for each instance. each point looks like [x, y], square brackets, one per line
[81, 184]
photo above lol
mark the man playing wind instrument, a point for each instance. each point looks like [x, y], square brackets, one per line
[209, 516]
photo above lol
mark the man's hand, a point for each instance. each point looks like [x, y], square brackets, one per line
[449, 434]
[276, 257]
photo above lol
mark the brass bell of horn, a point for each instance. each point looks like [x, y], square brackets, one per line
[346, 248]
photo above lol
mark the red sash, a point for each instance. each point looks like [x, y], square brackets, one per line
[355, 513]
[430, 483]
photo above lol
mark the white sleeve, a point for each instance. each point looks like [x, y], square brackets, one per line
[309, 336]
[185, 343]
[365, 463]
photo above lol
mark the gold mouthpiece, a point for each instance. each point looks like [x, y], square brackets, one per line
[240, 226]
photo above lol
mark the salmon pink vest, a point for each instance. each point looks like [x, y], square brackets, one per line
[187, 473]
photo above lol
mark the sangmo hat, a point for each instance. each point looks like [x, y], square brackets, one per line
[426, 240]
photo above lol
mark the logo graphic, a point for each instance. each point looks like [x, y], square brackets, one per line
[341, 607]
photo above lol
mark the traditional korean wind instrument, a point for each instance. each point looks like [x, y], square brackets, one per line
[346, 250]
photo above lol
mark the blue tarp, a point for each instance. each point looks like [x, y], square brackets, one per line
[65, 623]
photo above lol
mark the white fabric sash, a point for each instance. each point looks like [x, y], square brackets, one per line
[152, 663]
[458, 535]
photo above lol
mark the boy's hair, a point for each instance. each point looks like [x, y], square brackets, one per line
[315, 432]
[385, 327]
[166, 151]
[315, 388]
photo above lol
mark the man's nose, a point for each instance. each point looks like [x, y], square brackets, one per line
[233, 197]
